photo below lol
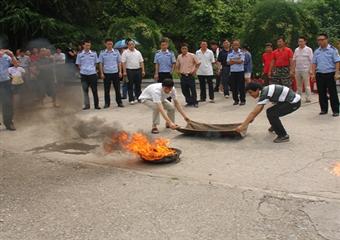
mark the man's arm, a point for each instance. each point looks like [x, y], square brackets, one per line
[250, 118]
[124, 69]
[180, 110]
[143, 68]
[271, 67]
[101, 72]
[165, 116]
[120, 70]
[156, 77]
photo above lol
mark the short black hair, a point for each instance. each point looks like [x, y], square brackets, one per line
[86, 41]
[204, 40]
[108, 40]
[236, 40]
[165, 40]
[324, 35]
[245, 46]
[168, 83]
[253, 86]
[184, 45]
[213, 42]
[225, 40]
[269, 45]
[128, 40]
[281, 38]
[302, 37]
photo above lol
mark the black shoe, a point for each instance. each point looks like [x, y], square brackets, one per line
[106, 106]
[11, 127]
[322, 113]
[188, 105]
[335, 114]
[120, 105]
[235, 103]
[124, 97]
[195, 105]
[242, 103]
[201, 100]
[282, 139]
[97, 107]
[139, 101]
[271, 129]
[86, 108]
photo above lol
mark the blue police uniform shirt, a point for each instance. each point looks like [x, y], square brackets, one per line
[110, 60]
[165, 59]
[87, 62]
[326, 59]
[5, 63]
[236, 56]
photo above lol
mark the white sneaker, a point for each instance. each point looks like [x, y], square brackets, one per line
[226, 96]
[136, 101]
[212, 101]
[132, 102]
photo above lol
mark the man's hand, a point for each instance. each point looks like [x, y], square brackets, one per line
[269, 75]
[102, 76]
[156, 77]
[124, 74]
[240, 128]
[187, 119]
[120, 75]
[173, 126]
[143, 74]
[193, 73]
[337, 75]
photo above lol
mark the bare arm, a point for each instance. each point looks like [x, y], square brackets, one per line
[163, 113]
[156, 71]
[101, 70]
[143, 68]
[124, 68]
[271, 67]
[250, 118]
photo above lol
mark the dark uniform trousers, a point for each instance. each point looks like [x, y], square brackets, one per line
[326, 84]
[164, 75]
[189, 88]
[203, 81]
[90, 81]
[238, 86]
[7, 102]
[134, 83]
[112, 78]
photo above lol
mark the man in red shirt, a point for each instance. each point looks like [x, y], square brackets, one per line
[281, 65]
[267, 58]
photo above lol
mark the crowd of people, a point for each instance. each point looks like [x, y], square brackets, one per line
[230, 65]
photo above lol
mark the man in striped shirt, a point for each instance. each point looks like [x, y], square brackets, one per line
[285, 101]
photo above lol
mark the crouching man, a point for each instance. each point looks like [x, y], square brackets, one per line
[285, 101]
[155, 96]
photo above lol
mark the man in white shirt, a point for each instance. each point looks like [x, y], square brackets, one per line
[205, 71]
[302, 66]
[133, 68]
[155, 96]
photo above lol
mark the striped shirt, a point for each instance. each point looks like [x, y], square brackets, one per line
[278, 93]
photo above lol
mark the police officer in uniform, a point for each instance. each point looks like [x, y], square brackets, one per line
[164, 61]
[111, 71]
[87, 61]
[326, 67]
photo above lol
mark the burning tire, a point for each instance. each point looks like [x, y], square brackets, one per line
[173, 158]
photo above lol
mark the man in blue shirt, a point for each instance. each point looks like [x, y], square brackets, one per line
[326, 65]
[6, 90]
[87, 61]
[110, 68]
[236, 61]
[164, 61]
[248, 64]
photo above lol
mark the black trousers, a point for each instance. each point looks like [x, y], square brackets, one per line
[203, 81]
[90, 81]
[238, 86]
[112, 78]
[279, 110]
[189, 89]
[218, 82]
[225, 77]
[164, 75]
[326, 84]
[134, 83]
[7, 102]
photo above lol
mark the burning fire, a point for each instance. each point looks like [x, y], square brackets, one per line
[140, 144]
[336, 170]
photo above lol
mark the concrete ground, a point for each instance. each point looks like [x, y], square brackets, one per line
[58, 183]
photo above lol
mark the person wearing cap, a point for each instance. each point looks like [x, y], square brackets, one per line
[164, 61]
[87, 61]
[6, 98]
[110, 68]
[156, 97]
[326, 68]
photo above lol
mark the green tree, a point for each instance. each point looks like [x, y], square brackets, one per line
[273, 18]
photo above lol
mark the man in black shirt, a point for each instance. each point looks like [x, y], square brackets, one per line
[225, 72]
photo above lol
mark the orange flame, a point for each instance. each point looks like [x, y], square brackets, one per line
[336, 170]
[140, 144]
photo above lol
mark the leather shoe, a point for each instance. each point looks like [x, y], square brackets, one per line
[120, 105]
[11, 127]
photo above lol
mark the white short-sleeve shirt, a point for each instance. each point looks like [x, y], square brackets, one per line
[303, 58]
[155, 93]
[207, 59]
[132, 59]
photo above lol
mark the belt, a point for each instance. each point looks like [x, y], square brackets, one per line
[186, 74]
